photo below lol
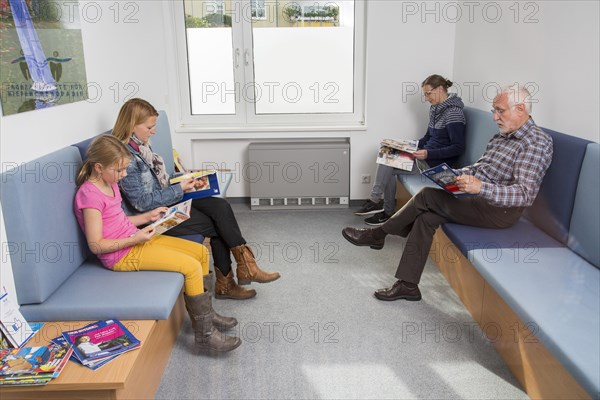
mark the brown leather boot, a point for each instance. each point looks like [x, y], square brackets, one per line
[206, 336]
[247, 269]
[226, 288]
[220, 322]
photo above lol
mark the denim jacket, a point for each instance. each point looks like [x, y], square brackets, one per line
[141, 188]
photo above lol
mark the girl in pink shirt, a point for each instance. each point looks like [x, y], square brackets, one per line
[121, 246]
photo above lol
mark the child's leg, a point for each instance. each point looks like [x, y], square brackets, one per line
[164, 253]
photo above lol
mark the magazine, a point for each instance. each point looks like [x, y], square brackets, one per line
[206, 184]
[443, 176]
[93, 364]
[101, 339]
[33, 365]
[174, 216]
[397, 153]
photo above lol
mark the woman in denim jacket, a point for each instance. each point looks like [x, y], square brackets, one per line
[146, 187]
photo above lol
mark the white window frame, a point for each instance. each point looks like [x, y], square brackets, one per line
[245, 119]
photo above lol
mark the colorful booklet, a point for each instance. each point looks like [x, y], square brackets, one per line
[397, 153]
[93, 364]
[174, 216]
[101, 339]
[207, 183]
[14, 327]
[33, 365]
[443, 176]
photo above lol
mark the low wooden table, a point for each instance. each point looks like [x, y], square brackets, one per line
[133, 375]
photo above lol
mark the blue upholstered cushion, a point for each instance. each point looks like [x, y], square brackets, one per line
[521, 241]
[585, 222]
[161, 142]
[94, 292]
[557, 292]
[479, 130]
[552, 208]
[44, 241]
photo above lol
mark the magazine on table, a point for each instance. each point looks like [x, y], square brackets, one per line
[398, 153]
[33, 365]
[173, 216]
[101, 339]
[443, 176]
[93, 364]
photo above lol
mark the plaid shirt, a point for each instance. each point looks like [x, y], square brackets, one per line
[513, 165]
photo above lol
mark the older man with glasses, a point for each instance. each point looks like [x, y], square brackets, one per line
[503, 182]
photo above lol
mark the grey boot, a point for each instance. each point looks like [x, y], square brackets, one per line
[221, 323]
[206, 336]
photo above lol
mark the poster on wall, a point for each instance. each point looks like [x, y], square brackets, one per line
[41, 55]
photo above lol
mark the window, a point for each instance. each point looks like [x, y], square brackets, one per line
[261, 63]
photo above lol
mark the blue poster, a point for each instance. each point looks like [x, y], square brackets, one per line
[41, 55]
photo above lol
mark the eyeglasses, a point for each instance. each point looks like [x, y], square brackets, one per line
[501, 111]
[427, 94]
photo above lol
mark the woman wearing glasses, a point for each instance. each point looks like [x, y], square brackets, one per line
[444, 142]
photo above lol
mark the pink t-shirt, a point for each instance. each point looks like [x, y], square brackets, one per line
[115, 224]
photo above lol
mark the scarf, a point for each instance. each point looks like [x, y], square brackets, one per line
[154, 160]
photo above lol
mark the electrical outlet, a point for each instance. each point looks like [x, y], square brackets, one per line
[365, 178]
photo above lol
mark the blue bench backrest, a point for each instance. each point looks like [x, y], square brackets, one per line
[553, 206]
[479, 130]
[44, 242]
[585, 221]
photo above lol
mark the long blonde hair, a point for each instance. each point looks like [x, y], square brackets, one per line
[132, 113]
[104, 150]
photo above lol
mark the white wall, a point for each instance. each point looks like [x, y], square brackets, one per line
[554, 46]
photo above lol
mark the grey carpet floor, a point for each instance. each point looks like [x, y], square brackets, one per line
[318, 332]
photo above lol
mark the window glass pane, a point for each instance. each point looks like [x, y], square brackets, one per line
[209, 46]
[304, 57]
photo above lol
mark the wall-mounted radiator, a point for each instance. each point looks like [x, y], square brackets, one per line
[299, 175]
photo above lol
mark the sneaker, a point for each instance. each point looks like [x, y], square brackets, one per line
[370, 207]
[377, 219]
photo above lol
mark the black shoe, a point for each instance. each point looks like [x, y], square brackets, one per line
[399, 291]
[362, 237]
[377, 219]
[370, 207]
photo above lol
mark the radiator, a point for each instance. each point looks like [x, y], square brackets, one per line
[298, 175]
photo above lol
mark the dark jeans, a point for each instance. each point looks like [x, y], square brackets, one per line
[214, 218]
[430, 208]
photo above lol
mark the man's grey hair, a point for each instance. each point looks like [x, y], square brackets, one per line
[518, 94]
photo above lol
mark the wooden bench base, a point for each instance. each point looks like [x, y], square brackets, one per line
[536, 369]
[133, 375]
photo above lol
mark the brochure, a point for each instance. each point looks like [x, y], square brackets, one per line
[207, 183]
[33, 365]
[101, 339]
[12, 323]
[443, 176]
[93, 364]
[174, 216]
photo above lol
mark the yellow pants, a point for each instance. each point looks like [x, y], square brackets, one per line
[166, 253]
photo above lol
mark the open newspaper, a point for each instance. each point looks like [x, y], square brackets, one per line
[174, 216]
[398, 153]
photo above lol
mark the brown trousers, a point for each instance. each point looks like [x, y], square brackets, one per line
[426, 211]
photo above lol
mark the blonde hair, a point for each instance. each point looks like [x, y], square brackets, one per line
[132, 113]
[104, 150]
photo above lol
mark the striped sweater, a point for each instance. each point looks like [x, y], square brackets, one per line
[445, 136]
